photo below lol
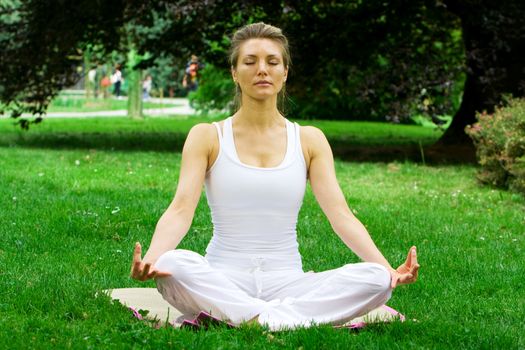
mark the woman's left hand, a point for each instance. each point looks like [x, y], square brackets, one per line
[407, 272]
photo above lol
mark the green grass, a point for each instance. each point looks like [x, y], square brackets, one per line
[376, 133]
[69, 220]
[81, 104]
[348, 139]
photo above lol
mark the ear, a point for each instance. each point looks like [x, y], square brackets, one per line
[285, 73]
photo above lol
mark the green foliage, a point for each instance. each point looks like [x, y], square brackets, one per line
[43, 44]
[441, 122]
[167, 73]
[216, 91]
[381, 65]
[500, 143]
[389, 61]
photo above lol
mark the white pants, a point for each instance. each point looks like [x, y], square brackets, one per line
[282, 298]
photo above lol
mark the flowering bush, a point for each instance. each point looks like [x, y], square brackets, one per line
[500, 145]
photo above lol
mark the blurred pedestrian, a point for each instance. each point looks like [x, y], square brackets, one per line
[116, 80]
[191, 74]
[146, 87]
[105, 83]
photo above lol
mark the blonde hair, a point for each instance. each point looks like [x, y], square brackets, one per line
[259, 30]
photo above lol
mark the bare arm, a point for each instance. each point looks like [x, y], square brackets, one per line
[176, 220]
[333, 203]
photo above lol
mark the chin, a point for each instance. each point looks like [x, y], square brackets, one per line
[263, 96]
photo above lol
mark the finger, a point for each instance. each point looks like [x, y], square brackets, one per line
[408, 260]
[137, 252]
[415, 270]
[145, 272]
[136, 268]
[414, 256]
[157, 273]
[151, 275]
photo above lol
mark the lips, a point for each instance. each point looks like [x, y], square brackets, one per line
[263, 82]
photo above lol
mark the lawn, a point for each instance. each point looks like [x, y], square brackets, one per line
[81, 104]
[70, 217]
[169, 133]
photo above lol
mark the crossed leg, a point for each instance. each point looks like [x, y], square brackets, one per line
[333, 296]
[195, 286]
[290, 299]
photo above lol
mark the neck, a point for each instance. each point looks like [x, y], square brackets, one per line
[259, 114]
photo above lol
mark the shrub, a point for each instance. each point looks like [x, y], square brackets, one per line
[216, 90]
[500, 145]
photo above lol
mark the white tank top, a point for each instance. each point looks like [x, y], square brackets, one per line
[254, 210]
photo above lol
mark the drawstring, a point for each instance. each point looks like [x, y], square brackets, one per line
[259, 263]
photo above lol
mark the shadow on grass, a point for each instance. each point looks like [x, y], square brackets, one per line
[174, 141]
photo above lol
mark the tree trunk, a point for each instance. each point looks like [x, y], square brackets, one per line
[472, 101]
[87, 83]
[494, 39]
[134, 86]
[135, 94]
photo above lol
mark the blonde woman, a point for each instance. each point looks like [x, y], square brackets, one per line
[255, 166]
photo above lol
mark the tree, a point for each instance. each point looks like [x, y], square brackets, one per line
[134, 85]
[494, 39]
[42, 43]
[383, 62]
[338, 87]
[387, 58]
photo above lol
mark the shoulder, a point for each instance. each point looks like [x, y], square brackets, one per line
[202, 128]
[313, 138]
[312, 133]
[201, 136]
[313, 143]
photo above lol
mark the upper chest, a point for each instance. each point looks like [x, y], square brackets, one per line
[263, 151]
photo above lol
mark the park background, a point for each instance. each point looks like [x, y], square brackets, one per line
[421, 102]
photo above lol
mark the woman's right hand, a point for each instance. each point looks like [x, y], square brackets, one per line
[144, 271]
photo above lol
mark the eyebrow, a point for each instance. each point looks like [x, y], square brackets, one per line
[255, 56]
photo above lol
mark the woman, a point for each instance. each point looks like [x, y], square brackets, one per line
[116, 79]
[255, 165]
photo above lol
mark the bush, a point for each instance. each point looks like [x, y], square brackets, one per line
[216, 91]
[500, 145]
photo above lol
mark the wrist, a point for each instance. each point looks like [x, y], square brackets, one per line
[149, 259]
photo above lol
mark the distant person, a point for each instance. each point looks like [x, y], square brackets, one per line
[116, 80]
[146, 87]
[92, 82]
[191, 74]
[105, 83]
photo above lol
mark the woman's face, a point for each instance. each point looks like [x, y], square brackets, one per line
[260, 70]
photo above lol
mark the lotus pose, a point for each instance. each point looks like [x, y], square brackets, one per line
[255, 165]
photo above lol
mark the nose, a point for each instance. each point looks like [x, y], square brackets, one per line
[262, 68]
